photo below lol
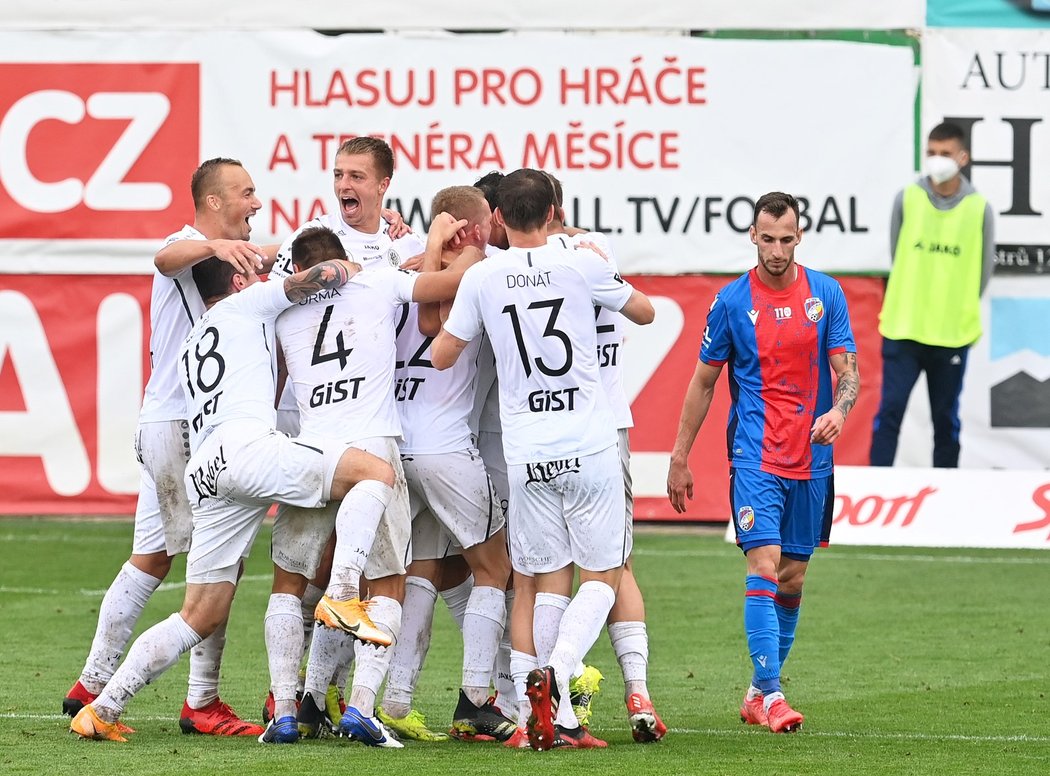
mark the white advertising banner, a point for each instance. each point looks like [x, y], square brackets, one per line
[470, 14]
[995, 83]
[939, 508]
[664, 142]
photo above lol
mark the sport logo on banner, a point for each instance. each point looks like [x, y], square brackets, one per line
[96, 150]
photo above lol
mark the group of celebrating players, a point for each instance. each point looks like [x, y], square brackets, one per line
[426, 419]
[448, 417]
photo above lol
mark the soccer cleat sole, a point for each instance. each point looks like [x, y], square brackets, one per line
[540, 726]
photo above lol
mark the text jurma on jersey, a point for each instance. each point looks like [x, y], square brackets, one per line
[525, 281]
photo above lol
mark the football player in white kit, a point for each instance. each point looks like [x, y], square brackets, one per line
[627, 630]
[239, 465]
[340, 352]
[224, 200]
[536, 303]
[362, 170]
[448, 484]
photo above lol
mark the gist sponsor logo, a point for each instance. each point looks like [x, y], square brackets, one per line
[96, 150]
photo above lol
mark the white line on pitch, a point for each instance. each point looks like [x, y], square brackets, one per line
[164, 586]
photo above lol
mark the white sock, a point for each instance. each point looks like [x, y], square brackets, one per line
[308, 606]
[343, 666]
[502, 678]
[153, 653]
[482, 630]
[417, 620]
[372, 661]
[770, 699]
[355, 529]
[546, 620]
[283, 629]
[630, 642]
[520, 665]
[580, 627]
[325, 652]
[117, 615]
[205, 663]
[456, 598]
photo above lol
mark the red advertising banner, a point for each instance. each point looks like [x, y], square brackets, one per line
[96, 150]
[74, 358]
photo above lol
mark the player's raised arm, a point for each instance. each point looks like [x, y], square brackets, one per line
[329, 274]
[243, 255]
[697, 402]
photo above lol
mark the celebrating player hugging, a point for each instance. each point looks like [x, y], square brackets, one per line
[440, 416]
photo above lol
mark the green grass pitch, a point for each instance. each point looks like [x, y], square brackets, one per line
[907, 661]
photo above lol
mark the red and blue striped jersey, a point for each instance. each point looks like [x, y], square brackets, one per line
[777, 345]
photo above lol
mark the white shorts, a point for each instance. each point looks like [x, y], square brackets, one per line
[300, 534]
[457, 491]
[624, 447]
[288, 422]
[490, 445]
[163, 521]
[569, 511]
[430, 541]
[233, 478]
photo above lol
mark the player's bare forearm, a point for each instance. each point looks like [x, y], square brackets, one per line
[328, 274]
[848, 387]
[828, 427]
[180, 254]
[698, 397]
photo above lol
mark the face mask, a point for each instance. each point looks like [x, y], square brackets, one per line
[941, 169]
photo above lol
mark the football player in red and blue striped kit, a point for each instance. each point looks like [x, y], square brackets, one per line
[782, 329]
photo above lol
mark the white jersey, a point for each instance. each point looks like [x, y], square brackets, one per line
[609, 328]
[228, 365]
[485, 416]
[537, 307]
[367, 249]
[370, 250]
[434, 406]
[175, 305]
[339, 347]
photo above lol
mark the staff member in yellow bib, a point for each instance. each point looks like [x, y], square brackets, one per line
[941, 236]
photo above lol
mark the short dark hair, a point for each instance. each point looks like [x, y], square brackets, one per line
[776, 203]
[213, 277]
[315, 245]
[377, 148]
[948, 130]
[205, 179]
[489, 185]
[526, 197]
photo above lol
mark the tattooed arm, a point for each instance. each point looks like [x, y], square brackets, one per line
[328, 274]
[828, 427]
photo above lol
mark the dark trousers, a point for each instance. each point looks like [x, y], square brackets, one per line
[902, 361]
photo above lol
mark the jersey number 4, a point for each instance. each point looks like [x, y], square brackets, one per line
[551, 330]
[341, 352]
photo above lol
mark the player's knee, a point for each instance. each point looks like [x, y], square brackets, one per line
[156, 564]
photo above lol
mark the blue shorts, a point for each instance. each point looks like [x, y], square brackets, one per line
[773, 510]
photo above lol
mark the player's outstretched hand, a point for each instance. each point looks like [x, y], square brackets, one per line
[827, 428]
[243, 255]
[679, 485]
[396, 226]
